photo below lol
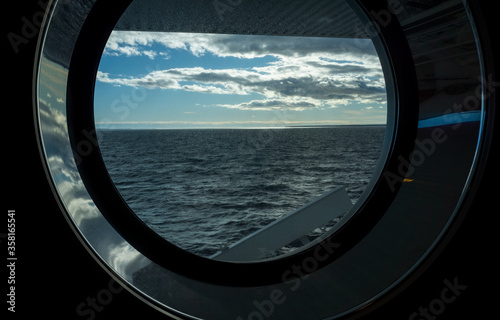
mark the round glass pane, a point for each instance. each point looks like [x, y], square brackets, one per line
[213, 138]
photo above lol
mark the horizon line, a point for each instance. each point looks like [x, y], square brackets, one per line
[244, 127]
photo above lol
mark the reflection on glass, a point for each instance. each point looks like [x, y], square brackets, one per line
[61, 164]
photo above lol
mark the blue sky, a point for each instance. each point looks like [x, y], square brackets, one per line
[188, 80]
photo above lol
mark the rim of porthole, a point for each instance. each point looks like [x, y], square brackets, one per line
[113, 215]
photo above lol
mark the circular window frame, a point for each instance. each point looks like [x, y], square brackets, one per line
[397, 64]
[99, 238]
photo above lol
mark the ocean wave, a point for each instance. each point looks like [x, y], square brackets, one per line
[199, 190]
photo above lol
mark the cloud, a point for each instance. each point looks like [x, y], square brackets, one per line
[274, 104]
[304, 72]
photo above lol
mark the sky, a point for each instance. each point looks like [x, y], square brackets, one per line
[194, 80]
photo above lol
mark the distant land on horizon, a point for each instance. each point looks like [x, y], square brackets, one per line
[339, 125]
[251, 128]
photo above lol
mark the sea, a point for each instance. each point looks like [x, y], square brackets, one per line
[204, 189]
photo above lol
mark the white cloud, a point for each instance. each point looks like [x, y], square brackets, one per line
[275, 104]
[305, 72]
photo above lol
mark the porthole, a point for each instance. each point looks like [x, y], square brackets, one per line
[436, 119]
[223, 269]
